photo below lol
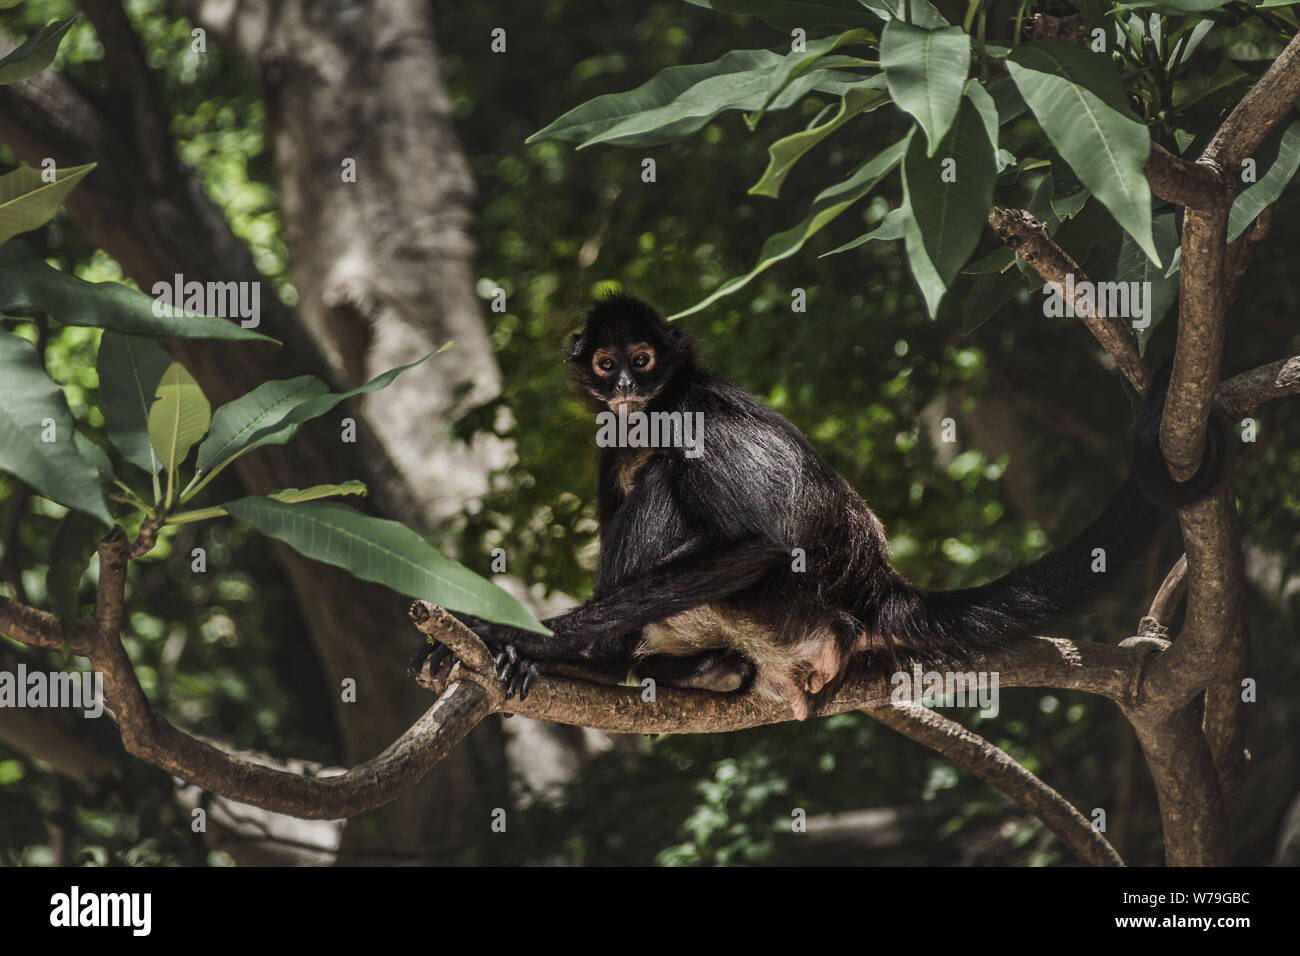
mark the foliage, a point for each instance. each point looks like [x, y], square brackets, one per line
[864, 372]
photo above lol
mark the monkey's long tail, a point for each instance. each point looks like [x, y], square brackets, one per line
[939, 625]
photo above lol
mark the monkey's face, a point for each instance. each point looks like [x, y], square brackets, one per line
[625, 376]
[626, 355]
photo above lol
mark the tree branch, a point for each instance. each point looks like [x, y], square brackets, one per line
[1027, 237]
[995, 767]
[1176, 180]
[1197, 354]
[1249, 390]
[1268, 101]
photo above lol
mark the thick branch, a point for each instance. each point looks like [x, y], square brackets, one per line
[1246, 392]
[1027, 237]
[1176, 180]
[995, 767]
[1269, 100]
[1187, 787]
[1197, 354]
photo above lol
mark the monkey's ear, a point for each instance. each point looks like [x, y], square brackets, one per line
[677, 339]
[577, 343]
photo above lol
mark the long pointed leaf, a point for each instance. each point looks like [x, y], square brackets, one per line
[382, 551]
[178, 418]
[272, 413]
[785, 152]
[130, 369]
[788, 14]
[830, 202]
[71, 549]
[926, 71]
[681, 99]
[1078, 98]
[950, 215]
[29, 404]
[28, 284]
[35, 53]
[1254, 199]
[266, 406]
[28, 201]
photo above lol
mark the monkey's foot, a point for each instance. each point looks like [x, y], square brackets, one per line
[824, 661]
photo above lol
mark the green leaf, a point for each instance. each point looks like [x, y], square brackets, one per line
[787, 15]
[33, 408]
[178, 418]
[28, 284]
[999, 260]
[1079, 100]
[130, 369]
[288, 496]
[681, 99]
[923, 13]
[784, 153]
[797, 64]
[949, 195]
[988, 294]
[271, 414]
[891, 227]
[264, 407]
[926, 71]
[1177, 7]
[27, 201]
[382, 551]
[1254, 199]
[35, 53]
[828, 204]
[71, 548]
[988, 109]
[927, 277]
[1134, 266]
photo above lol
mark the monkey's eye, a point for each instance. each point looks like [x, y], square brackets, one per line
[606, 364]
[643, 360]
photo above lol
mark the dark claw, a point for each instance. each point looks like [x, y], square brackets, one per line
[435, 654]
[527, 682]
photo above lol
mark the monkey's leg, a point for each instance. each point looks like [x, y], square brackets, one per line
[602, 634]
[606, 630]
[722, 671]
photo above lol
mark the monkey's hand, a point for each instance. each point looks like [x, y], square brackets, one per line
[513, 669]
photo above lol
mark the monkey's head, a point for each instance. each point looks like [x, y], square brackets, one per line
[626, 354]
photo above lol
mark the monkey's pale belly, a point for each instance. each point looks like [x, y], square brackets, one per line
[785, 670]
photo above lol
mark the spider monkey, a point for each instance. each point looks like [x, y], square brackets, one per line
[697, 585]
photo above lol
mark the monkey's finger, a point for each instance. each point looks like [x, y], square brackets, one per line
[527, 683]
[435, 654]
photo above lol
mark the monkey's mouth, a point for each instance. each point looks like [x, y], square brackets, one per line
[630, 402]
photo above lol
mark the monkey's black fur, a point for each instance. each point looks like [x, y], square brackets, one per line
[696, 586]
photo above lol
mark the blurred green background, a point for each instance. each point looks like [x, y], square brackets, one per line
[863, 372]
